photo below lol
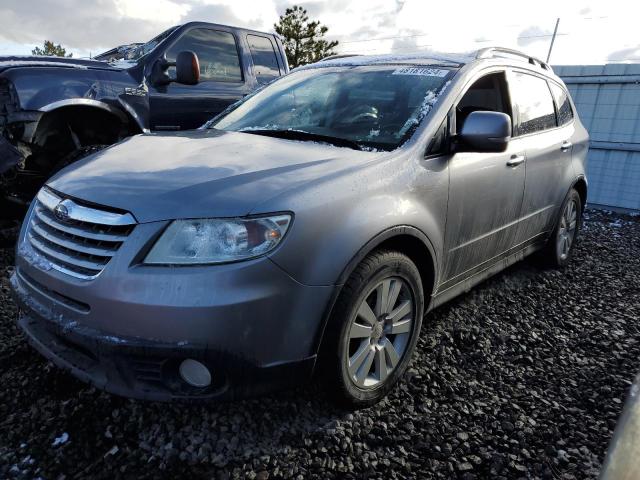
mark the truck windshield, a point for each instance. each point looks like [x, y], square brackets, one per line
[137, 51]
[371, 107]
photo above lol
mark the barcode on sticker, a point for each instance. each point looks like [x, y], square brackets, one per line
[425, 72]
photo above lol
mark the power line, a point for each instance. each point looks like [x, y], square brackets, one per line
[413, 47]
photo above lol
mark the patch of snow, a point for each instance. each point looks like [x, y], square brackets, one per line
[32, 257]
[122, 63]
[39, 63]
[61, 440]
[112, 339]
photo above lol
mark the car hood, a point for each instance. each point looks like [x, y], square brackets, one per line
[46, 61]
[202, 173]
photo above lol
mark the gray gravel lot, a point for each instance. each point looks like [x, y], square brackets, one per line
[524, 377]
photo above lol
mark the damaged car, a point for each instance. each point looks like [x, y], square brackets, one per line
[55, 110]
[306, 230]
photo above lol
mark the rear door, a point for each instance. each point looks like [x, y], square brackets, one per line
[222, 81]
[546, 140]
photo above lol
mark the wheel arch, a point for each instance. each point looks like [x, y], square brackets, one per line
[580, 185]
[90, 120]
[404, 239]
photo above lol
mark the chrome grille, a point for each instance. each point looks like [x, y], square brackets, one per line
[76, 239]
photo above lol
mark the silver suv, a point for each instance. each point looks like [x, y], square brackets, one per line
[308, 228]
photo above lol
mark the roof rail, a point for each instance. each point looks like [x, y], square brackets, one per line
[490, 52]
[340, 55]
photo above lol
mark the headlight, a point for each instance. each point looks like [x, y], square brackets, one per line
[211, 240]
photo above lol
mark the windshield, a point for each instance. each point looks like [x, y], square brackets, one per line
[375, 107]
[137, 51]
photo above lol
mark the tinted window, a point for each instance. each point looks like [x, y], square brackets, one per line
[535, 105]
[216, 52]
[264, 58]
[565, 113]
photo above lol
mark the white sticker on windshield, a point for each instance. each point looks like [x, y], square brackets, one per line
[425, 72]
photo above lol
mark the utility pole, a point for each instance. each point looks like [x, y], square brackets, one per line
[553, 39]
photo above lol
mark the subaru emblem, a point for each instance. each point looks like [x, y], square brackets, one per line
[61, 212]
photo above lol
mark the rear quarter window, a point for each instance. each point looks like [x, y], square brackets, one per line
[565, 112]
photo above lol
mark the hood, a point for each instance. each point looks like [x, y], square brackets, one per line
[202, 173]
[46, 61]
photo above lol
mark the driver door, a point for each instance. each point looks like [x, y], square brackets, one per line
[222, 82]
[485, 193]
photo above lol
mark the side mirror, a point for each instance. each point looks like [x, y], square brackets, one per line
[486, 131]
[187, 68]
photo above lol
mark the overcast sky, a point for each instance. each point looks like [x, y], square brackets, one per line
[591, 31]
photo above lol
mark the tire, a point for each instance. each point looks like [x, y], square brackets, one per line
[366, 350]
[559, 248]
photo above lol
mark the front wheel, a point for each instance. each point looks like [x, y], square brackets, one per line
[374, 329]
[559, 248]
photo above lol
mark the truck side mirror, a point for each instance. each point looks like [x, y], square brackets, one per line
[187, 68]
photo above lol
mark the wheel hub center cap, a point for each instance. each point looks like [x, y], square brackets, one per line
[378, 328]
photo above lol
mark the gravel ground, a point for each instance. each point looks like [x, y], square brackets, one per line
[525, 376]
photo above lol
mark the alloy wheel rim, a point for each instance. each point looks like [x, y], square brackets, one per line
[566, 232]
[379, 333]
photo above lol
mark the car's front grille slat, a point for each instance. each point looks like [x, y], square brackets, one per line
[73, 243]
[80, 243]
[59, 254]
[47, 217]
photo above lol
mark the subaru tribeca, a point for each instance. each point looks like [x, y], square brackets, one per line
[307, 229]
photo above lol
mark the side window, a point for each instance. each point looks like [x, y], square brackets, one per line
[264, 58]
[565, 113]
[536, 111]
[217, 53]
[488, 94]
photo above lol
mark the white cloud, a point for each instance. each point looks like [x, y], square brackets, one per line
[591, 31]
[157, 11]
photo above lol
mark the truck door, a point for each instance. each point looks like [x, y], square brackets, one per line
[222, 81]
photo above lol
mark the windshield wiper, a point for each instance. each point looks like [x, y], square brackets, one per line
[302, 135]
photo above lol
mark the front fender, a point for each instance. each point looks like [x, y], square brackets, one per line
[339, 221]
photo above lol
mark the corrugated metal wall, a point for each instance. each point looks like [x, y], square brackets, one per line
[608, 101]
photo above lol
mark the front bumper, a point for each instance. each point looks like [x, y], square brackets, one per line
[127, 330]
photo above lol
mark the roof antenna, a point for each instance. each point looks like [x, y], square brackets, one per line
[553, 39]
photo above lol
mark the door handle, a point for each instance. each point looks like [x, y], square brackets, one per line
[566, 145]
[515, 160]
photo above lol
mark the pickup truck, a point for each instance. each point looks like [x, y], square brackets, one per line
[55, 110]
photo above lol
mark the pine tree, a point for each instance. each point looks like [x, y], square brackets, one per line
[303, 40]
[51, 50]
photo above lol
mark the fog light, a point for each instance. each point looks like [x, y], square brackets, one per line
[195, 373]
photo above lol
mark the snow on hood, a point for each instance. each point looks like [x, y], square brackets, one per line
[46, 61]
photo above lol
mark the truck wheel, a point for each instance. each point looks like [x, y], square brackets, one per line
[374, 329]
[559, 248]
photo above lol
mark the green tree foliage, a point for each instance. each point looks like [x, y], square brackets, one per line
[303, 40]
[51, 50]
